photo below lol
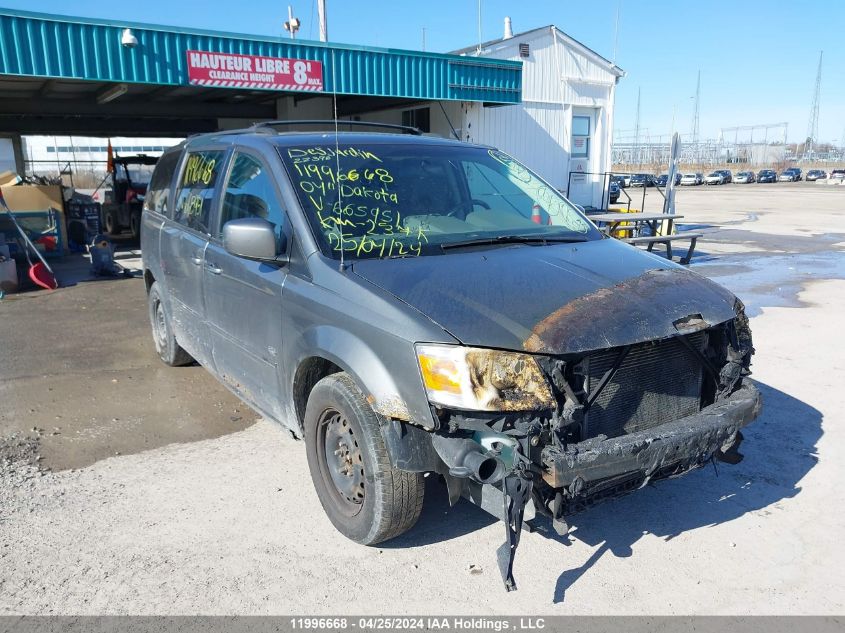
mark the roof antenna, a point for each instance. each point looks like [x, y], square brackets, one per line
[337, 160]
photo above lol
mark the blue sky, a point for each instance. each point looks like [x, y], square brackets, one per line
[758, 59]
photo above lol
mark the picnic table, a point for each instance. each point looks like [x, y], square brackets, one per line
[634, 222]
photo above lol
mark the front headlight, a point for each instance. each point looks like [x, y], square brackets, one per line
[483, 379]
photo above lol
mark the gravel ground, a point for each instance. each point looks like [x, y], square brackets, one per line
[231, 524]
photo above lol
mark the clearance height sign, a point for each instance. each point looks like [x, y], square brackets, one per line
[226, 70]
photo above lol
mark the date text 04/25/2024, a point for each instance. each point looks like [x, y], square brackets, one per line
[456, 623]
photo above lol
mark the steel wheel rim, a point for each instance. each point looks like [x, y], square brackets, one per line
[160, 322]
[342, 461]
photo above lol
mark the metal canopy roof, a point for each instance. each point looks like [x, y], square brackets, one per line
[54, 68]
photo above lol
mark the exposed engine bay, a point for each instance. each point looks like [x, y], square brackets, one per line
[602, 424]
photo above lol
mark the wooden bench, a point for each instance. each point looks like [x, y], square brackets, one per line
[667, 241]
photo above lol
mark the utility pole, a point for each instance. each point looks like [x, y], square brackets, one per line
[423, 39]
[813, 127]
[324, 26]
[292, 24]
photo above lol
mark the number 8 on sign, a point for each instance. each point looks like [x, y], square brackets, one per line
[300, 75]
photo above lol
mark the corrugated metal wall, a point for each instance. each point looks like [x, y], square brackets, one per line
[533, 133]
[566, 74]
[52, 46]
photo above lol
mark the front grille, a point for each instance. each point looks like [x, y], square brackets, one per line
[657, 382]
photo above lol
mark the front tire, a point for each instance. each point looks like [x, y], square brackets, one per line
[364, 496]
[169, 351]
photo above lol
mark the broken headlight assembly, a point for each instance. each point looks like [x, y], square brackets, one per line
[476, 379]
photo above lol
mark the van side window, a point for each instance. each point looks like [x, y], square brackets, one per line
[195, 195]
[250, 193]
[159, 189]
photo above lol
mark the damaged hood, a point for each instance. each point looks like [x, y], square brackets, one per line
[553, 299]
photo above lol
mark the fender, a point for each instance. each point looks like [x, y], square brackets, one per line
[405, 419]
[370, 372]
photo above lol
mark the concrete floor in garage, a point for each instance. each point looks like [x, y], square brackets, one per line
[156, 491]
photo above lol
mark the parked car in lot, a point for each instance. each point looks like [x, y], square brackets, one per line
[715, 178]
[663, 179]
[837, 174]
[315, 276]
[726, 174]
[792, 174]
[816, 174]
[624, 180]
[767, 175]
[744, 177]
[613, 192]
[691, 179]
[642, 180]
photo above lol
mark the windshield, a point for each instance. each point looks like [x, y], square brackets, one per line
[138, 174]
[401, 199]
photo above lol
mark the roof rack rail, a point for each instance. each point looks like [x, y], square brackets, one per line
[330, 123]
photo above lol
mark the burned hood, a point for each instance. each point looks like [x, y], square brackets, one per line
[555, 299]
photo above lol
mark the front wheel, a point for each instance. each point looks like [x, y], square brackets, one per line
[364, 496]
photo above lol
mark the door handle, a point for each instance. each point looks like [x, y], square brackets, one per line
[214, 270]
[197, 260]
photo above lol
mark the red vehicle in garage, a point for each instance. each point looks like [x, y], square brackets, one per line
[130, 176]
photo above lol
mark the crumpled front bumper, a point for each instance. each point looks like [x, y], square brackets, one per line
[657, 452]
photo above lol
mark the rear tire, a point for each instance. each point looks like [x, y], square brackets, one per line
[364, 496]
[112, 227]
[169, 351]
[135, 225]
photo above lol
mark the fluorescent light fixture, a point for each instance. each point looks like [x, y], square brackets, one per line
[110, 94]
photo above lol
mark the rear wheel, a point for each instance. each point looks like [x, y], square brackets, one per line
[364, 496]
[169, 351]
[135, 225]
[112, 227]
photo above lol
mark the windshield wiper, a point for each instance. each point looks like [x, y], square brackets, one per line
[513, 239]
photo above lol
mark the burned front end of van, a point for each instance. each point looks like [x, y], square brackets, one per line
[608, 394]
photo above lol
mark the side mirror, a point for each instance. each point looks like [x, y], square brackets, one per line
[253, 238]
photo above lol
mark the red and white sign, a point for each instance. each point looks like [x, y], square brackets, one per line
[227, 70]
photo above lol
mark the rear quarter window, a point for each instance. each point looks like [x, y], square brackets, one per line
[195, 193]
[159, 190]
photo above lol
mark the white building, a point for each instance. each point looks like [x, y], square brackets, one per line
[563, 125]
[565, 122]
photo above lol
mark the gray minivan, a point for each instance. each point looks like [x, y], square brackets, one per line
[411, 305]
